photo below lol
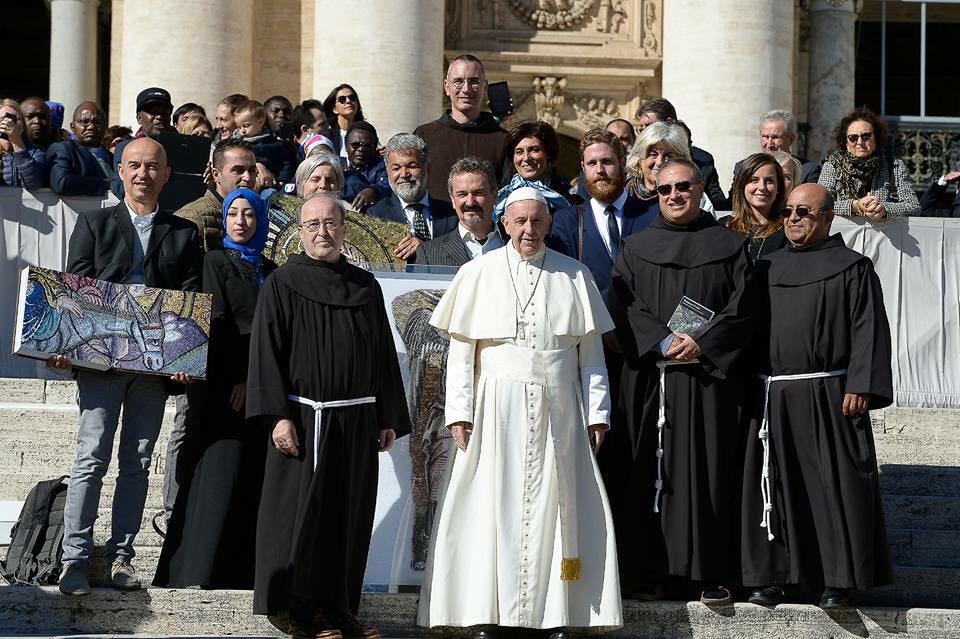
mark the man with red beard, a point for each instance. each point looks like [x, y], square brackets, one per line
[593, 233]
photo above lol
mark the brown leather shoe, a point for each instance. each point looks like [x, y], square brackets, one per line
[351, 627]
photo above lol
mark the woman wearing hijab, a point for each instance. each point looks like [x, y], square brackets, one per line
[211, 537]
[863, 178]
[532, 148]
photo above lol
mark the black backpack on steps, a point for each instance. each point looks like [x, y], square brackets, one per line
[36, 539]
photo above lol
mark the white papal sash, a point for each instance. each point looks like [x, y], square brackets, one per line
[318, 415]
[764, 436]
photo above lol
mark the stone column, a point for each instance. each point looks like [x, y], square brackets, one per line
[392, 55]
[832, 62]
[198, 51]
[73, 52]
[724, 65]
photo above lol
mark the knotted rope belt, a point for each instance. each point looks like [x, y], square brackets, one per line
[764, 436]
[662, 424]
[318, 408]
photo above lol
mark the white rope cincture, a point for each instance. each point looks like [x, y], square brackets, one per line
[764, 435]
[661, 425]
[318, 415]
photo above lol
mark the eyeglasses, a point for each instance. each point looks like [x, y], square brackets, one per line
[802, 211]
[313, 226]
[473, 83]
[356, 146]
[667, 189]
[853, 137]
[343, 99]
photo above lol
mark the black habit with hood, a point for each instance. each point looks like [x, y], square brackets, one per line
[321, 332]
[695, 534]
[825, 313]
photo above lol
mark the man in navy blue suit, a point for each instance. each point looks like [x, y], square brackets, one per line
[82, 166]
[593, 231]
[408, 168]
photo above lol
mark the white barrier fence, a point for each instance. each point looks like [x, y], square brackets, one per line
[917, 260]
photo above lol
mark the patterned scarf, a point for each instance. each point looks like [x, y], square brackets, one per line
[854, 175]
[555, 201]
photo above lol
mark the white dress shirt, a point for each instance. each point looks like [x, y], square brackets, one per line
[474, 248]
[600, 216]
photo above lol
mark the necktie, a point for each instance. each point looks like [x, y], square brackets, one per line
[613, 230]
[420, 229]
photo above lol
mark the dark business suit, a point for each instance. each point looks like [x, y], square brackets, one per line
[444, 217]
[445, 250]
[565, 235]
[102, 247]
[936, 202]
[74, 170]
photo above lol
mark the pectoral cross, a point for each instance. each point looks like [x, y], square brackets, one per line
[521, 326]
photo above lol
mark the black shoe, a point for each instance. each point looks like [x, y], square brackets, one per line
[834, 599]
[314, 630]
[485, 632]
[559, 633]
[767, 596]
[718, 596]
[350, 626]
[645, 593]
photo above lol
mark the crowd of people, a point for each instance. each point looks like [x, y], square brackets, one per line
[729, 364]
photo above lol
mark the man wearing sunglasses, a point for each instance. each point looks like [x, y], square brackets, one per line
[811, 467]
[682, 389]
[81, 166]
[465, 129]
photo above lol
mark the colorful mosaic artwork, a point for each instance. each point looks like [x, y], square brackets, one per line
[101, 325]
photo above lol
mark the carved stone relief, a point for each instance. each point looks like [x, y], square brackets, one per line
[593, 111]
[548, 99]
[564, 15]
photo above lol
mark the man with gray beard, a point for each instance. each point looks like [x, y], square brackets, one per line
[408, 168]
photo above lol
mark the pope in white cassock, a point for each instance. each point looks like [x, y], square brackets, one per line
[524, 535]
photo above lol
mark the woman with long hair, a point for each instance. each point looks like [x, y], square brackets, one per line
[342, 108]
[759, 193]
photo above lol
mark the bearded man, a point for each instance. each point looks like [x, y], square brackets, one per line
[408, 170]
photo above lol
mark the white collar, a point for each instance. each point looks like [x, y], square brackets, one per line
[143, 219]
[601, 208]
[518, 256]
[468, 235]
[425, 200]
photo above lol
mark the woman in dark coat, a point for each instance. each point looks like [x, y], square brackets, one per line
[211, 537]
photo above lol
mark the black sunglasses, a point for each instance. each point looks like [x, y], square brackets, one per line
[682, 187]
[802, 211]
[343, 99]
[853, 137]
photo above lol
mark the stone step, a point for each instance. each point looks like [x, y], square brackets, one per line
[918, 586]
[192, 612]
[922, 512]
[926, 481]
[917, 548]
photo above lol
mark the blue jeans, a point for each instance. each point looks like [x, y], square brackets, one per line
[100, 397]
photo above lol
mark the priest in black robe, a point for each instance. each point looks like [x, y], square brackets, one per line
[682, 394]
[321, 335]
[812, 513]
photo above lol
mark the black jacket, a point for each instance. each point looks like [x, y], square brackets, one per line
[74, 171]
[936, 202]
[444, 217]
[101, 247]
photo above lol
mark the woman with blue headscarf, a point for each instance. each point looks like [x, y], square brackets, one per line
[211, 535]
[531, 150]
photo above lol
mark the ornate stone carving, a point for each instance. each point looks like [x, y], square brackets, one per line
[552, 15]
[610, 16]
[594, 111]
[651, 29]
[452, 24]
[548, 99]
